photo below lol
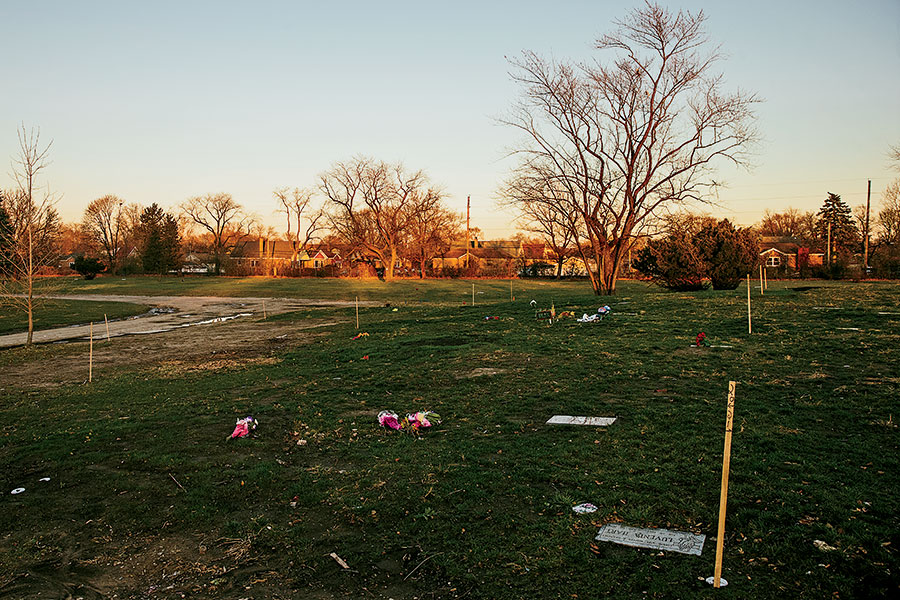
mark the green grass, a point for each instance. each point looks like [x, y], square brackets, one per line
[61, 313]
[482, 503]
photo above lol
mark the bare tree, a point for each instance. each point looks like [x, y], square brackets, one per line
[626, 138]
[372, 204]
[432, 227]
[28, 239]
[546, 210]
[105, 225]
[299, 206]
[222, 217]
[894, 157]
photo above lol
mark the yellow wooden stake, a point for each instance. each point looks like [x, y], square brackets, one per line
[749, 323]
[766, 278]
[357, 312]
[265, 315]
[723, 497]
[510, 290]
[107, 326]
[761, 290]
[91, 355]
[473, 294]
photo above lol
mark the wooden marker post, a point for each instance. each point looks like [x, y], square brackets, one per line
[357, 312]
[723, 498]
[473, 294]
[761, 290]
[91, 355]
[265, 315]
[107, 327]
[749, 323]
[765, 278]
[511, 298]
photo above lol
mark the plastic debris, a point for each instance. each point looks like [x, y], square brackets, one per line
[823, 546]
[44, 479]
[17, 491]
[360, 335]
[712, 581]
[584, 508]
[243, 427]
[339, 560]
[533, 303]
[492, 318]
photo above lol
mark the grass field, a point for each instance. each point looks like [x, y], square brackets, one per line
[147, 499]
[60, 313]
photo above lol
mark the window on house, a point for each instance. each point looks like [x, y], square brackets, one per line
[773, 261]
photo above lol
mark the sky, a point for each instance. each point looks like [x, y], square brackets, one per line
[160, 101]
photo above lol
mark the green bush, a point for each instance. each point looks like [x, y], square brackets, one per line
[88, 267]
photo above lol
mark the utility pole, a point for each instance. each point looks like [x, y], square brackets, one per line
[866, 241]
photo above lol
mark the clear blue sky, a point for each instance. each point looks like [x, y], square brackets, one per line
[158, 101]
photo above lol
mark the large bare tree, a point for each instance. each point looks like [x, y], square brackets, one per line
[28, 238]
[299, 206]
[220, 216]
[372, 205]
[626, 137]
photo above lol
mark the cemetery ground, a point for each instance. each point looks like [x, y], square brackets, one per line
[147, 499]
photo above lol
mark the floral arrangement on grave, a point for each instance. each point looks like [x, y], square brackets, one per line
[411, 423]
[701, 340]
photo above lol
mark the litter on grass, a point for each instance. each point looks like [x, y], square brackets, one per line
[243, 427]
[567, 420]
[44, 479]
[584, 508]
[17, 491]
[411, 423]
[655, 539]
[712, 581]
[360, 335]
[492, 318]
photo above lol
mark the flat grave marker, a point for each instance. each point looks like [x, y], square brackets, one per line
[655, 539]
[567, 420]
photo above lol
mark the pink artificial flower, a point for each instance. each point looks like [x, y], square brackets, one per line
[388, 419]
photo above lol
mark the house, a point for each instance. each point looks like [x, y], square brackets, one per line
[487, 257]
[788, 253]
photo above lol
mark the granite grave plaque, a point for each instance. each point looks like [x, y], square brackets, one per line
[567, 420]
[656, 539]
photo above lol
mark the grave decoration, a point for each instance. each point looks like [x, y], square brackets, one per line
[598, 316]
[411, 423]
[243, 428]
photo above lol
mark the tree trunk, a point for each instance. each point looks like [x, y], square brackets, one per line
[30, 277]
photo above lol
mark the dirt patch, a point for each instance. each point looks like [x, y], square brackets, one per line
[215, 346]
[481, 372]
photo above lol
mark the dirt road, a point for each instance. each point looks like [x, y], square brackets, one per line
[171, 312]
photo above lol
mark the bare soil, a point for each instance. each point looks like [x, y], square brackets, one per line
[190, 334]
